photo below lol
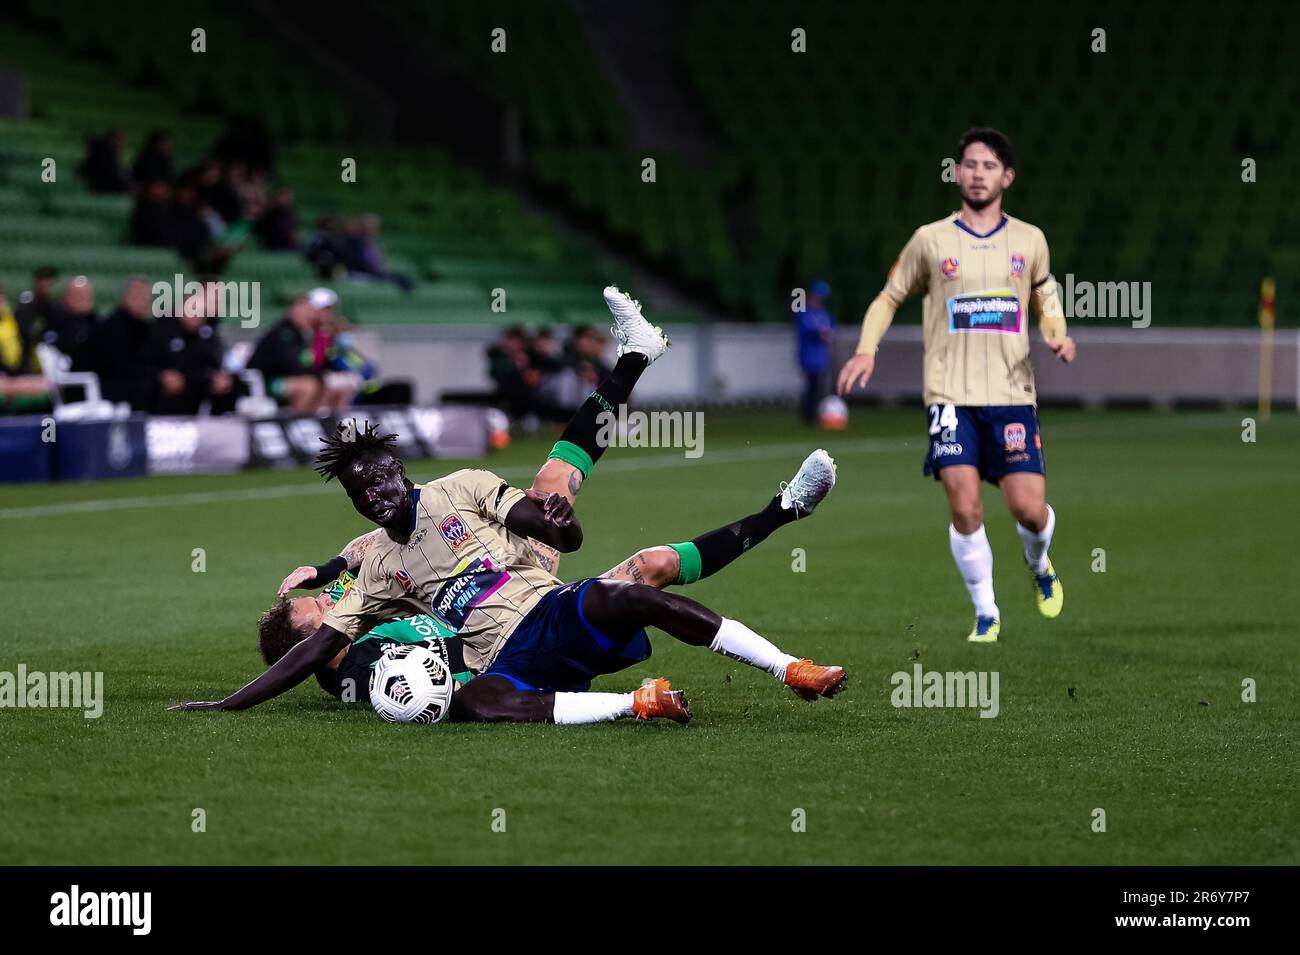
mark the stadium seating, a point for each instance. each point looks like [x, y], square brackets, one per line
[457, 236]
[819, 172]
[816, 171]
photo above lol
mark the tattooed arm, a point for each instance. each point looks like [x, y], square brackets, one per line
[358, 547]
[546, 555]
[348, 559]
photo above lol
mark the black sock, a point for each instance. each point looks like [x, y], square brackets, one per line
[719, 548]
[583, 427]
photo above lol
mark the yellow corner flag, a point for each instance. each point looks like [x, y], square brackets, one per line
[1267, 293]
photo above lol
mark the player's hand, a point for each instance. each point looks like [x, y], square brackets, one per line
[856, 371]
[556, 508]
[187, 707]
[300, 576]
[1063, 348]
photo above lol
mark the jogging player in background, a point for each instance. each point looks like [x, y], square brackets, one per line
[979, 270]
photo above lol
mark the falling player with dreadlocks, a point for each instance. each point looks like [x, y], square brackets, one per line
[457, 547]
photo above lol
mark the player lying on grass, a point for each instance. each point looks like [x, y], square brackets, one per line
[456, 548]
[347, 675]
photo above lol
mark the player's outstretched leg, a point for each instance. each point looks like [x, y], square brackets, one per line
[497, 699]
[577, 451]
[685, 563]
[621, 610]
[1025, 494]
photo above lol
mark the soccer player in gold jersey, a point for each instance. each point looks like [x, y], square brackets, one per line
[979, 270]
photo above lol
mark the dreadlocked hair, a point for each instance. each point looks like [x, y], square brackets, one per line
[346, 444]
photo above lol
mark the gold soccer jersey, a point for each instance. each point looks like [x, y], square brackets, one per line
[459, 564]
[975, 312]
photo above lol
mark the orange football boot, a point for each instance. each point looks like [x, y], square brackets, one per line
[810, 680]
[658, 698]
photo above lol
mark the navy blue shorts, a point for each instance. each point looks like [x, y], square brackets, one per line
[997, 439]
[556, 648]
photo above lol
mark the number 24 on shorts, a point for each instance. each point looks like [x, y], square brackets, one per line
[944, 418]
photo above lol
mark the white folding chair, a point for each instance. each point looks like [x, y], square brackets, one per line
[57, 369]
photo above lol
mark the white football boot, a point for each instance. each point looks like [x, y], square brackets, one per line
[630, 329]
[812, 482]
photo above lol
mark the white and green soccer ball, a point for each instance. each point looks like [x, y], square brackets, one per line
[411, 683]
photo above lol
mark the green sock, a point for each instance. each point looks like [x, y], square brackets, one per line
[570, 453]
[689, 571]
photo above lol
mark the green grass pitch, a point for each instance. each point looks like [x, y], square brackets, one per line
[1131, 702]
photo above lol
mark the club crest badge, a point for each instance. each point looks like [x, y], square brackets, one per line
[1013, 436]
[454, 531]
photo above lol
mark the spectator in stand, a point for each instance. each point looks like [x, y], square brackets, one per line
[292, 357]
[326, 250]
[152, 221]
[118, 344]
[104, 168]
[364, 257]
[284, 357]
[249, 187]
[184, 356]
[154, 161]
[556, 395]
[349, 371]
[510, 365]
[36, 307]
[22, 386]
[585, 354]
[278, 225]
[192, 225]
[217, 191]
[73, 321]
[814, 332]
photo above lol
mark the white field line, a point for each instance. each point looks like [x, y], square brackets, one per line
[793, 452]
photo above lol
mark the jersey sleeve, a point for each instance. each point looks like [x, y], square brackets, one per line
[368, 602]
[906, 278]
[1046, 300]
[487, 493]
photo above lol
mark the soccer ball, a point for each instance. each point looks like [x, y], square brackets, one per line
[411, 683]
[833, 413]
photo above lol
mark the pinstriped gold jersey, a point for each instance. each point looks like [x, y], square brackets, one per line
[978, 289]
[460, 565]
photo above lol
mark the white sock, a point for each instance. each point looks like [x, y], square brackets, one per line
[571, 708]
[737, 641]
[974, 559]
[1036, 544]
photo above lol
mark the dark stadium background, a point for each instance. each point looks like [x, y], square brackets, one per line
[519, 167]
